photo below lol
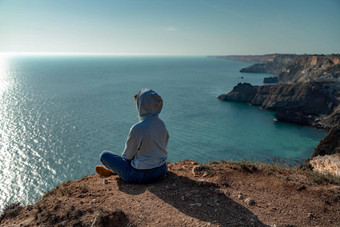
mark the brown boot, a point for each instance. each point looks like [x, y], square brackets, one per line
[103, 171]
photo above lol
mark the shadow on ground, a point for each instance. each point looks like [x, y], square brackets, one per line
[197, 199]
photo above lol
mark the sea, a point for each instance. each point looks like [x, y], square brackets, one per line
[58, 113]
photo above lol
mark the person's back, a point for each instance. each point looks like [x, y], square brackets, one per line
[152, 138]
[144, 156]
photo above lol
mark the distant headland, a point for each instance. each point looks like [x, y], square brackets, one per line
[305, 89]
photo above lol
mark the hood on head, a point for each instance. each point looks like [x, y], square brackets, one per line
[149, 103]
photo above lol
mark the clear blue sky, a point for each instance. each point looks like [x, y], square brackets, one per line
[170, 27]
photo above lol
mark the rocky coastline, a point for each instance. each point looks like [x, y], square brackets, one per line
[255, 59]
[312, 103]
[307, 92]
[292, 68]
[272, 66]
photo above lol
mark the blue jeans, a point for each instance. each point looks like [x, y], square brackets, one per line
[129, 174]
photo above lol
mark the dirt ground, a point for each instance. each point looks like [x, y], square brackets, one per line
[193, 194]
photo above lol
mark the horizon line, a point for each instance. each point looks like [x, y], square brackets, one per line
[4, 54]
[89, 54]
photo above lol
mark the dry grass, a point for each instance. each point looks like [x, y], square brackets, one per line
[295, 171]
[11, 211]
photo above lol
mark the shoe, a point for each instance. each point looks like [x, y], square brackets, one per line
[103, 171]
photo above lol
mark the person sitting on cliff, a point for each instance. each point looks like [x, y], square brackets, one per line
[144, 157]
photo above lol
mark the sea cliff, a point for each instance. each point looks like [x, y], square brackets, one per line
[300, 103]
[311, 68]
[326, 155]
[307, 93]
[291, 68]
[274, 65]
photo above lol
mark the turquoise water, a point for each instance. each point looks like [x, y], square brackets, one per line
[57, 114]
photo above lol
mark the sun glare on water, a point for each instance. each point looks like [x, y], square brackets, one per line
[5, 159]
[4, 83]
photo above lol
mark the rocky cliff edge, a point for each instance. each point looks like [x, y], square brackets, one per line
[193, 194]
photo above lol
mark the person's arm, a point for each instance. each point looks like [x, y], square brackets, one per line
[131, 146]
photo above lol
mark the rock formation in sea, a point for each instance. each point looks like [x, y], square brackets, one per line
[299, 103]
[270, 80]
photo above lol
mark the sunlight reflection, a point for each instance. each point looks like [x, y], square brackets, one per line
[7, 175]
[4, 83]
[21, 154]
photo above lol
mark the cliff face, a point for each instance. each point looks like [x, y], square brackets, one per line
[307, 93]
[300, 103]
[326, 156]
[299, 68]
[291, 67]
[330, 144]
[271, 66]
[311, 68]
[243, 92]
[328, 121]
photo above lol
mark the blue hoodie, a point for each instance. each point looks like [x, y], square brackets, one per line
[147, 140]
